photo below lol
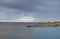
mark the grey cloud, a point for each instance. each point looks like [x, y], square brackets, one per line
[17, 4]
[36, 8]
[25, 5]
[9, 14]
[28, 5]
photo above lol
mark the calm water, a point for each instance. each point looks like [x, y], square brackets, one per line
[20, 31]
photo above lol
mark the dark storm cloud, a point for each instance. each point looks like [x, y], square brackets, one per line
[17, 4]
[31, 5]
[25, 5]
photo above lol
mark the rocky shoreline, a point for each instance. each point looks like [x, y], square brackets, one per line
[46, 24]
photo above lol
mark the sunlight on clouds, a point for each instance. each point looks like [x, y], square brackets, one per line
[26, 19]
[22, 19]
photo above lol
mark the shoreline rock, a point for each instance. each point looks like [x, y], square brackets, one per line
[46, 24]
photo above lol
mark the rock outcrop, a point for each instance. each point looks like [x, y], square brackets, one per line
[43, 24]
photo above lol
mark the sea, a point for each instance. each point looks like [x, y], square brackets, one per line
[19, 30]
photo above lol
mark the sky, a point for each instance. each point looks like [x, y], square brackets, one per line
[29, 10]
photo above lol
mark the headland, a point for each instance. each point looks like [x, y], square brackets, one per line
[43, 24]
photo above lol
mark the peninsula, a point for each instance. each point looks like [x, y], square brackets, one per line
[43, 24]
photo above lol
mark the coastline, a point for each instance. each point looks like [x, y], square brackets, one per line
[46, 24]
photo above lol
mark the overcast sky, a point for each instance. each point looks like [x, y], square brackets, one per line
[40, 10]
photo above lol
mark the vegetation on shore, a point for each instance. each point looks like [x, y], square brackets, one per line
[41, 24]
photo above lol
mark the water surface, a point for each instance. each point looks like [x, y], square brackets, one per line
[20, 31]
